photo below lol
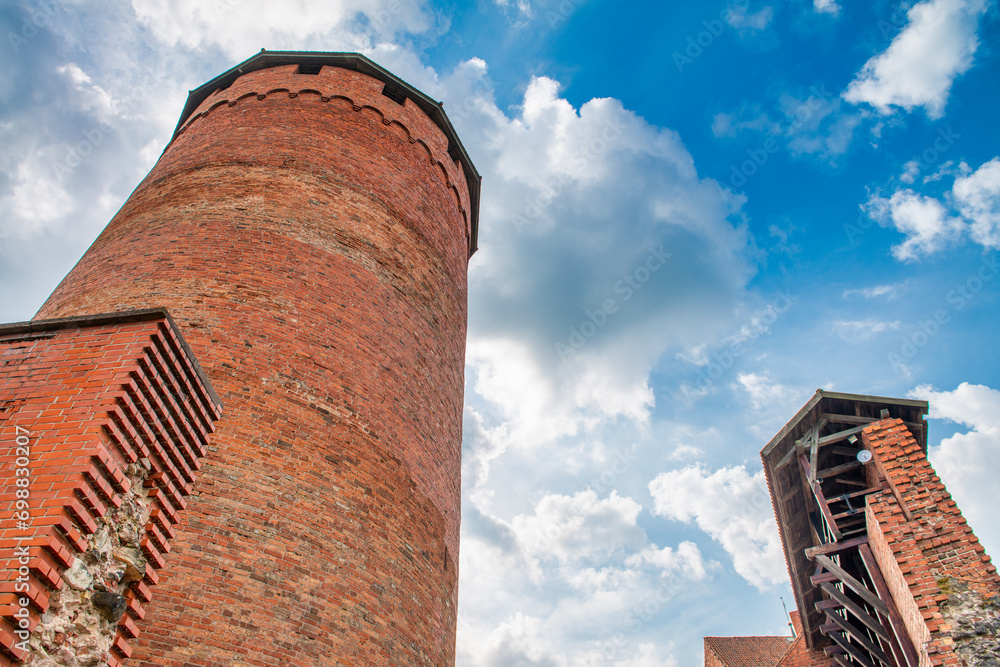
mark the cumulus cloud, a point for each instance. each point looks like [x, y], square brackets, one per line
[827, 7]
[734, 508]
[746, 22]
[924, 221]
[600, 248]
[580, 527]
[972, 207]
[242, 27]
[978, 199]
[969, 462]
[582, 583]
[920, 65]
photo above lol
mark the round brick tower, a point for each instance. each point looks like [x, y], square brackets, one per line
[309, 227]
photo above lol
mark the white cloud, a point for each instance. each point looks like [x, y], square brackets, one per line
[924, 220]
[910, 171]
[601, 248]
[765, 393]
[747, 23]
[580, 527]
[243, 27]
[860, 330]
[827, 7]
[929, 225]
[734, 508]
[978, 199]
[686, 559]
[969, 462]
[920, 65]
[890, 291]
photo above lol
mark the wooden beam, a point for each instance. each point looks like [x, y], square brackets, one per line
[900, 635]
[855, 609]
[851, 649]
[836, 470]
[787, 458]
[841, 660]
[833, 548]
[840, 435]
[861, 637]
[823, 605]
[821, 501]
[851, 582]
[850, 419]
[852, 482]
[813, 454]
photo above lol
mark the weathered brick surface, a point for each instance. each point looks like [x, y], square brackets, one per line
[924, 546]
[311, 237]
[80, 405]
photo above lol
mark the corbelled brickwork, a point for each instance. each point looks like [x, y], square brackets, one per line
[310, 234]
[943, 582]
[104, 421]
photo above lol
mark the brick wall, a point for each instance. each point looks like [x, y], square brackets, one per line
[935, 567]
[103, 423]
[311, 237]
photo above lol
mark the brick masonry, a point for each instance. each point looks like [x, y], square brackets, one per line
[937, 571]
[110, 418]
[311, 237]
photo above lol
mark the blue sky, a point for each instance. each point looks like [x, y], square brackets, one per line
[693, 217]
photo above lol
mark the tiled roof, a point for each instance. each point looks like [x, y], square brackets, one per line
[748, 651]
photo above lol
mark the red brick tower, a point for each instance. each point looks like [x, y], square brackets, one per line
[308, 228]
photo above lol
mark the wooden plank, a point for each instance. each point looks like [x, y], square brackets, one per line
[850, 419]
[900, 635]
[855, 609]
[837, 470]
[850, 581]
[833, 548]
[861, 636]
[826, 577]
[787, 458]
[823, 605]
[840, 435]
[846, 451]
[821, 501]
[841, 660]
[852, 650]
[813, 454]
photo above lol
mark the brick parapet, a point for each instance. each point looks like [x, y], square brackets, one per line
[64, 385]
[922, 542]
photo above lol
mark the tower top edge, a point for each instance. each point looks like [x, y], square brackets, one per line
[363, 64]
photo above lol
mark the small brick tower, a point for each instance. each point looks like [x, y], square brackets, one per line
[308, 228]
[884, 568]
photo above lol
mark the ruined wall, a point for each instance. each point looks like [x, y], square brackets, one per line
[943, 582]
[103, 422]
[311, 237]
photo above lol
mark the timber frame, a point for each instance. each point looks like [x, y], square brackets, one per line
[818, 486]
